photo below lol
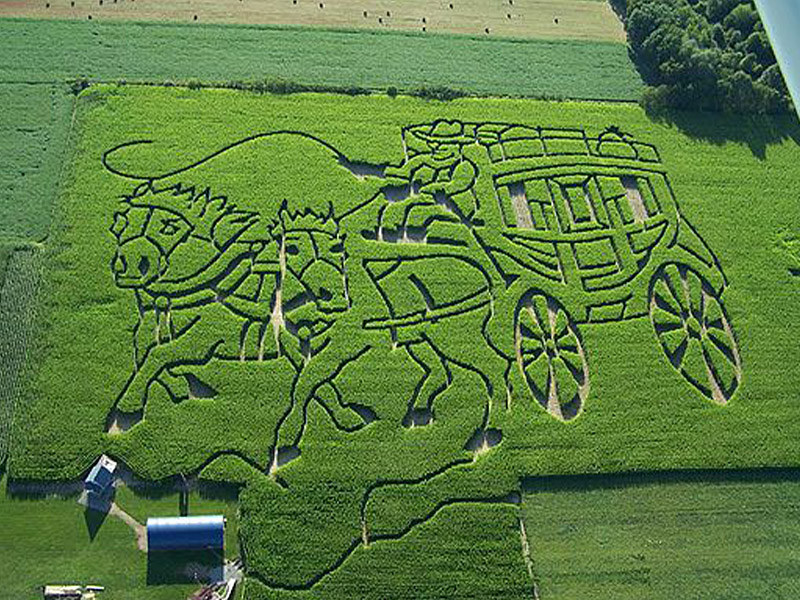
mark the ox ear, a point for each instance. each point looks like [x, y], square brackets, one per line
[230, 225]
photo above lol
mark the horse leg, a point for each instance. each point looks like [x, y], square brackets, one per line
[319, 370]
[433, 383]
[343, 415]
[186, 349]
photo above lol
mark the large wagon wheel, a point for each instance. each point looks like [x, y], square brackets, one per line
[690, 322]
[550, 356]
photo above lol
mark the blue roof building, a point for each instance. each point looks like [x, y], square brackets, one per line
[186, 533]
[101, 477]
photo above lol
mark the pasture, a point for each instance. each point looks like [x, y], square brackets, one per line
[377, 398]
[662, 536]
[547, 19]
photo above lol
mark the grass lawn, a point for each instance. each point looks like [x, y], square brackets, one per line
[665, 536]
[48, 541]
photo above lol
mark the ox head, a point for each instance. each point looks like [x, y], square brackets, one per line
[314, 286]
[174, 238]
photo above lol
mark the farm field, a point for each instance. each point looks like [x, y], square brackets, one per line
[558, 19]
[53, 540]
[663, 536]
[377, 392]
[17, 310]
[54, 51]
[34, 125]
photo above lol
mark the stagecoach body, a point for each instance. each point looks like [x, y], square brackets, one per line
[569, 229]
[589, 220]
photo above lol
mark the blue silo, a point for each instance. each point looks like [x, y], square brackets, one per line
[186, 533]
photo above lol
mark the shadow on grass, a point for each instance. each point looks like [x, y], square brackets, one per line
[94, 520]
[184, 566]
[23, 489]
[758, 132]
[216, 490]
[623, 480]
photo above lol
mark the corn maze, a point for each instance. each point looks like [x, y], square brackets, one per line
[375, 317]
[476, 259]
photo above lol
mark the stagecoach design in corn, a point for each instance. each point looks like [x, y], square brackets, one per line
[489, 245]
[580, 230]
[476, 258]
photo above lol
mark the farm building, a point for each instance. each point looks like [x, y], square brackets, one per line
[100, 478]
[186, 533]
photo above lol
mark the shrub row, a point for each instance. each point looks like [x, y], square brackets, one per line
[283, 86]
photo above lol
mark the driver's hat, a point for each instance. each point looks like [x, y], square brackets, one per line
[447, 132]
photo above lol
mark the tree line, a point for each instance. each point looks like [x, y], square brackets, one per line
[704, 55]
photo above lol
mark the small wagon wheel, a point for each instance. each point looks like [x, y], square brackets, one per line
[550, 356]
[691, 324]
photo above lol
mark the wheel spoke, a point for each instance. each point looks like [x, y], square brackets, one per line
[723, 343]
[537, 374]
[529, 326]
[665, 321]
[695, 294]
[566, 386]
[673, 282]
[531, 354]
[674, 343]
[713, 315]
[722, 370]
[561, 327]
[540, 314]
[693, 367]
[574, 363]
[665, 298]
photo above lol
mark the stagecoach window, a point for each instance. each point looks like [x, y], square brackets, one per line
[634, 196]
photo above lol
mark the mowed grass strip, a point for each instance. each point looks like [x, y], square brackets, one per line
[666, 536]
[59, 50]
[552, 19]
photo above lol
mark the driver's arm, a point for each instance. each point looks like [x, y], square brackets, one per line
[405, 170]
[463, 178]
